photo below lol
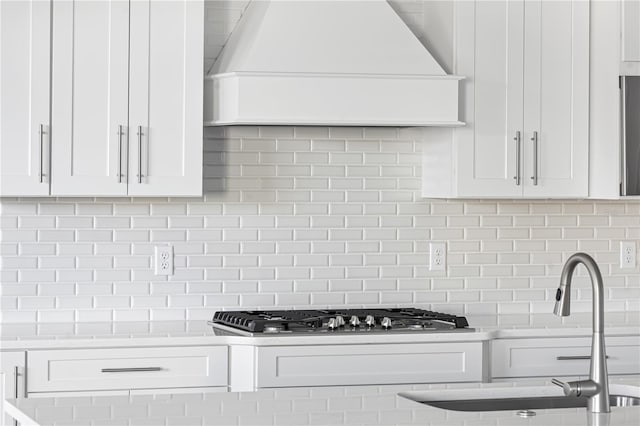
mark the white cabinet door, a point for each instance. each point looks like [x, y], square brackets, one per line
[489, 51]
[165, 115]
[630, 31]
[556, 99]
[89, 96]
[24, 97]
[337, 365]
[525, 101]
[12, 367]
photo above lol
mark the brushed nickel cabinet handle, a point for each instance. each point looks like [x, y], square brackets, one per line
[574, 357]
[534, 139]
[517, 176]
[130, 369]
[16, 390]
[624, 172]
[16, 374]
[41, 134]
[120, 134]
[139, 154]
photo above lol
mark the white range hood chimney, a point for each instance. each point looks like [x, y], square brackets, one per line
[327, 62]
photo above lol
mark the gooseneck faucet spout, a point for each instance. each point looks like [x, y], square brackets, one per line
[597, 387]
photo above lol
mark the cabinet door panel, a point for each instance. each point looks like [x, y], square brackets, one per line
[556, 98]
[489, 47]
[630, 30]
[166, 98]
[89, 97]
[24, 97]
[283, 366]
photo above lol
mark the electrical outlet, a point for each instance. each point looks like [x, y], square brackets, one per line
[164, 260]
[437, 256]
[627, 254]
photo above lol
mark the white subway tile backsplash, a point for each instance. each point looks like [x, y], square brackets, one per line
[302, 217]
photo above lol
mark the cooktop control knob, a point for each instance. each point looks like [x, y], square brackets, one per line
[340, 320]
[386, 322]
[332, 324]
[354, 321]
[370, 321]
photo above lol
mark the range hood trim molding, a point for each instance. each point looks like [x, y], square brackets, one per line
[331, 99]
[321, 74]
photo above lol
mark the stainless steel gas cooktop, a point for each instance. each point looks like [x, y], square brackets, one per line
[338, 321]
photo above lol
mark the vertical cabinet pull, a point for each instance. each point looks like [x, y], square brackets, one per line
[16, 373]
[139, 154]
[41, 135]
[517, 176]
[623, 119]
[534, 139]
[120, 134]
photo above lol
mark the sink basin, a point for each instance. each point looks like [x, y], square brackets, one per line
[540, 403]
[516, 398]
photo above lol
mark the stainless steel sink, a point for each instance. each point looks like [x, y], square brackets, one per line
[540, 403]
[517, 398]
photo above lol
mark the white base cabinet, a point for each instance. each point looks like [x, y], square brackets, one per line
[126, 369]
[12, 375]
[337, 365]
[556, 357]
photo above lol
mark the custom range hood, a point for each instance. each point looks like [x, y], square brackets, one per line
[327, 62]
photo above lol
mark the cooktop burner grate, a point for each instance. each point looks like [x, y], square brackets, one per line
[316, 319]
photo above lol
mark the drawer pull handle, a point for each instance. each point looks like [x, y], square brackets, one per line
[574, 357]
[130, 370]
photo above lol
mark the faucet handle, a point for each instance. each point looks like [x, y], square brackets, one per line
[586, 388]
[569, 388]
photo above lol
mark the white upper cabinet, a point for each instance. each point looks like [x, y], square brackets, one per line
[556, 99]
[24, 97]
[525, 100]
[89, 97]
[490, 55]
[166, 91]
[126, 97]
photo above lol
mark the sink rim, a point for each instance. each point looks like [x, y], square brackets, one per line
[530, 403]
[521, 397]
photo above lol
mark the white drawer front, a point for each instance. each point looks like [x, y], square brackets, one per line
[548, 356]
[105, 369]
[281, 366]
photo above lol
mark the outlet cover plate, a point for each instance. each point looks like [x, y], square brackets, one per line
[627, 254]
[437, 256]
[164, 260]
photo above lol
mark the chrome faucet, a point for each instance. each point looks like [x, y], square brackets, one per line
[597, 387]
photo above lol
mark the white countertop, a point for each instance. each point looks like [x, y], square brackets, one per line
[192, 333]
[343, 405]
